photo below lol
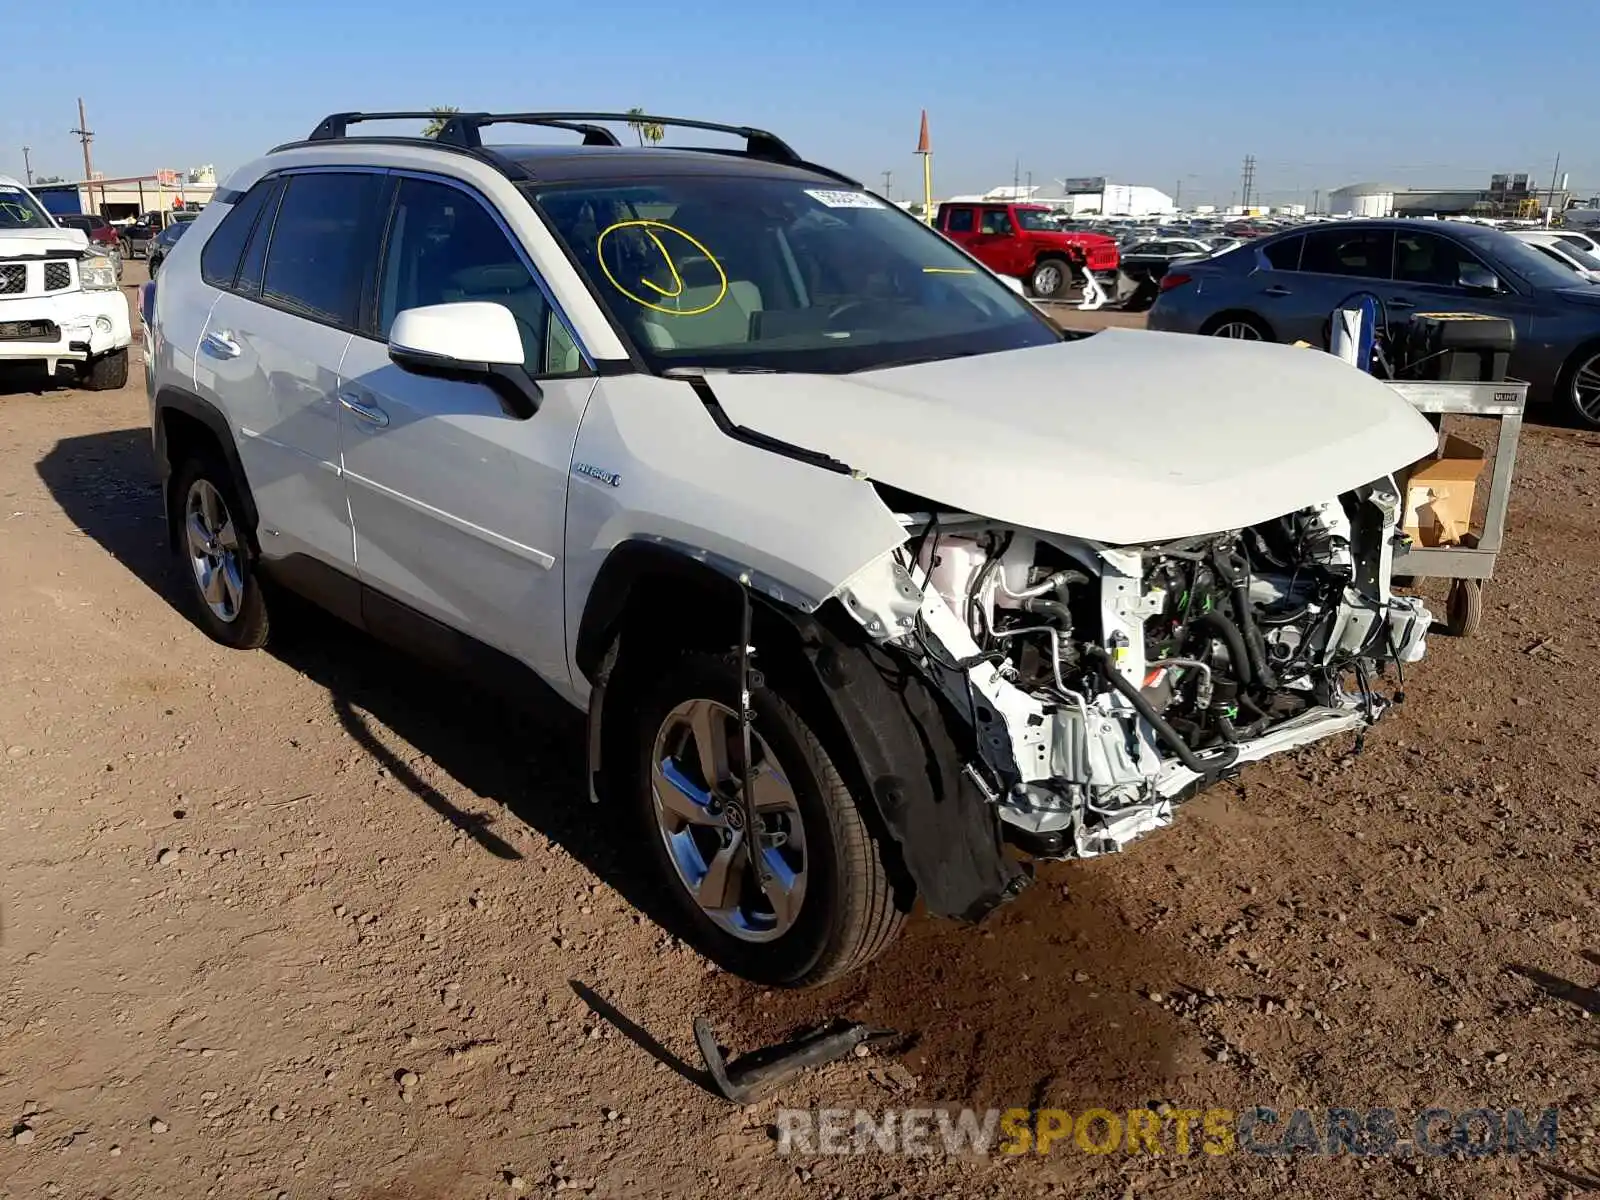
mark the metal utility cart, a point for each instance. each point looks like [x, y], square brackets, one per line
[1470, 564]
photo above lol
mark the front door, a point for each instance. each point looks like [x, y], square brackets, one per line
[459, 507]
[996, 244]
[1428, 274]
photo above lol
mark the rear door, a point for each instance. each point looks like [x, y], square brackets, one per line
[273, 345]
[1333, 264]
[458, 507]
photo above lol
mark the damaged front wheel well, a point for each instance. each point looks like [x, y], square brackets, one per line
[881, 720]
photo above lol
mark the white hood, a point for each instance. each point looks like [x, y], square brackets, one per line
[31, 243]
[1123, 437]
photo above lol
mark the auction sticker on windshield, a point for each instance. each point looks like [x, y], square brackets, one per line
[835, 199]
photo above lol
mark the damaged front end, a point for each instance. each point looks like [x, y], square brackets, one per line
[1092, 687]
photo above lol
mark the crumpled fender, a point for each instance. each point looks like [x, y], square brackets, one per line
[949, 836]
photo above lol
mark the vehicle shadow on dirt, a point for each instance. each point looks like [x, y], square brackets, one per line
[527, 759]
[24, 379]
[1044, 1004]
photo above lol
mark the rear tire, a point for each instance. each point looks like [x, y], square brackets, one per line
[106, 373]
[1240, 326]
[1051, 279]
[847, 914]
[243, 622]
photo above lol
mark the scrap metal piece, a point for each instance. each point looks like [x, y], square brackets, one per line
[754, 1075]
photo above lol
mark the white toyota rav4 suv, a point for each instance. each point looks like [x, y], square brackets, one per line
[873, 583]
[59, 298]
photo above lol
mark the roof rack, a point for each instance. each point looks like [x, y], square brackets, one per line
[462, 133]
[463, 129]
[334, 126]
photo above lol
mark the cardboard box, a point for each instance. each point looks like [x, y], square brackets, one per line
[1439, 493]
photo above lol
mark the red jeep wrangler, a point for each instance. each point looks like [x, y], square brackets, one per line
[1023, 241]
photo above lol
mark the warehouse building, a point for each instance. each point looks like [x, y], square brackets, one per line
[1507, 196]
[130, 197]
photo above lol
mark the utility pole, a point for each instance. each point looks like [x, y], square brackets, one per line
[27, 163]
[888, 182]
[1249, 179]
[1177, 196]
[86, 135]
[1554, 174]
[1316, 202]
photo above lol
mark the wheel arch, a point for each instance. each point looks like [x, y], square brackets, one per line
[184, 424]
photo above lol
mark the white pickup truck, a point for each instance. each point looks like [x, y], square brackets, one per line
[59, 298]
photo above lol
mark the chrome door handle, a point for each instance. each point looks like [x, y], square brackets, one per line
[1277, 290]
[220, 344]
[367, 412]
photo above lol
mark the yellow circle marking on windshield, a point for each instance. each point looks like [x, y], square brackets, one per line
[650, 228]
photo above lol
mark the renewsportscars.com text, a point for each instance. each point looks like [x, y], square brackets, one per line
[1474, 1133]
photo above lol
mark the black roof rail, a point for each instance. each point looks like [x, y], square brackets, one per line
[334, 126]
[463, 129]
[507, 167]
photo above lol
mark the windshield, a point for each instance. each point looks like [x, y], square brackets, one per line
[771, 274]
[18, 210]
[1037, 220]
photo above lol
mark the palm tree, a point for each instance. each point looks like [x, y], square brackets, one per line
[647, 131]
[441, 114]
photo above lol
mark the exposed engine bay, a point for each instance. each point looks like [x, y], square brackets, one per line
[1103, 684]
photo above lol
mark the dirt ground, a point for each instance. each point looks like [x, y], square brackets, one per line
[316, 922]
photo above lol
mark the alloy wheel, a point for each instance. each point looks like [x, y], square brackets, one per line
[1047, 281]
[214, 550]
[1586, 390]
[706, 822]
[1242, 330]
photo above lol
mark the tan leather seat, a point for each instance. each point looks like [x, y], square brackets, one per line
[725, 323]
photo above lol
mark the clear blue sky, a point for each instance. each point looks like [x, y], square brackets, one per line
[1409, 91]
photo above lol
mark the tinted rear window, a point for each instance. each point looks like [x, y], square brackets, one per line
[323, 243]
[1284, 255]
[1362, 253]
[219, 260]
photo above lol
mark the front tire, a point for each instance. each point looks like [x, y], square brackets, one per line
[1051, 279]
[106, 373]
[1578, 386]
[214, 551]
[826, 905]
